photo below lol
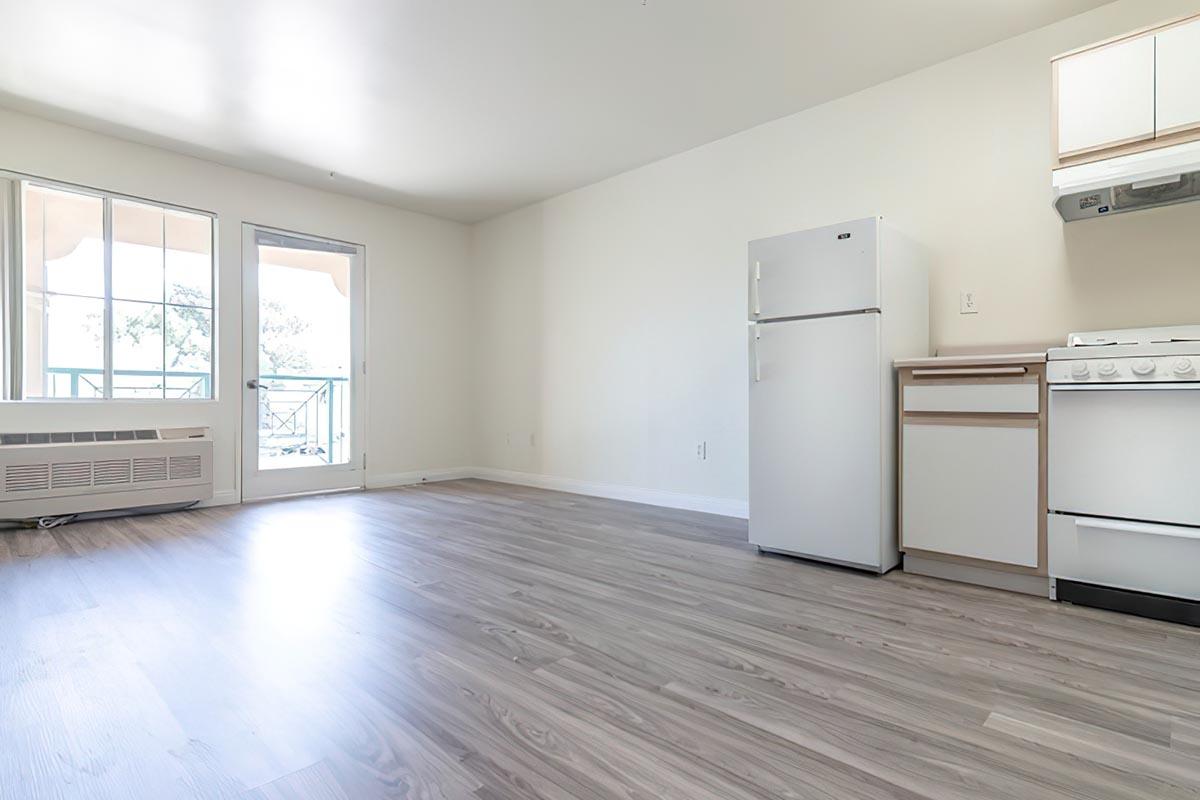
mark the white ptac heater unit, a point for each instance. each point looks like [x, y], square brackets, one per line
[53, 474]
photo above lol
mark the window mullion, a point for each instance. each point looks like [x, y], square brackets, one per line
[10, 258]
[163, 307]
[108, 299]
[45, 343]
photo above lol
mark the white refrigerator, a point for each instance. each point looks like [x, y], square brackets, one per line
[830, 309]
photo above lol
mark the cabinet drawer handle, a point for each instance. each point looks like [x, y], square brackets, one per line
[968, 372]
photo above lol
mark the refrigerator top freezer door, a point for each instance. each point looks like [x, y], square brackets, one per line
[828, 270]
[816, 439]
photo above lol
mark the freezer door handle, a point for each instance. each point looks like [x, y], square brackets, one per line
[754, 289]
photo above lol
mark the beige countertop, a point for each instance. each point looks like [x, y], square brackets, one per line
[975, 359]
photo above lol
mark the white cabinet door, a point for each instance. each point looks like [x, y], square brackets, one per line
[1177, 84]
[816, 453]
[1106, 97]
[971, 491]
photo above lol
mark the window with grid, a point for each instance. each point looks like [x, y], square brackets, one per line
[115, 296]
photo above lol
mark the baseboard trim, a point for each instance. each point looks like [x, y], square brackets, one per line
[655, 497]
[420, 476]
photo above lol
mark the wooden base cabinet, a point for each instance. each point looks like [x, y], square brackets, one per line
[972, 456]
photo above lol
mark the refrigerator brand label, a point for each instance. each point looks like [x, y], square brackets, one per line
[843, 236]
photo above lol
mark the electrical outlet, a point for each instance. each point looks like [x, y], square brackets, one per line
[702, 451]
[968, 302]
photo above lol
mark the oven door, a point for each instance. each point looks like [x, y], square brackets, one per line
[1126, 452]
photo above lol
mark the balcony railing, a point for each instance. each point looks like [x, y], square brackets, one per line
[302, 419]
[78, 382]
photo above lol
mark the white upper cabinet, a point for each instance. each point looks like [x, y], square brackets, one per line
[1106, 97]
[1177, 88]
[1129, 94]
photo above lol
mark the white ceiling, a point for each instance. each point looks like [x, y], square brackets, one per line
[467, 108]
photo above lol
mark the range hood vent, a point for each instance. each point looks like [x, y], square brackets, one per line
[1129, 183]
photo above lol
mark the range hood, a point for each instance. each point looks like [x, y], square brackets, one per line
[1129, 183]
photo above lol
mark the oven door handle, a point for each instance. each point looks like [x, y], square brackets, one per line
[1124, 387]
[1177, 531]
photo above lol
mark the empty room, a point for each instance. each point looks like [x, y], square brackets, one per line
[600, 400]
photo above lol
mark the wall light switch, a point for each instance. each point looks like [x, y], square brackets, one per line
[967, 302]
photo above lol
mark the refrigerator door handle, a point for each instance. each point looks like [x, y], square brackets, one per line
[755, 289]
[754, 355]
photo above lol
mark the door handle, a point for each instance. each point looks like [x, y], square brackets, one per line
[253, 384]
[754, 355]
[754, 289]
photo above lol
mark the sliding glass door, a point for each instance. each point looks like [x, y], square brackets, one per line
[304, 374]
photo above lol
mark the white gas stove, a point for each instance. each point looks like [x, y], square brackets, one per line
[1124, 465]
[1138, 355]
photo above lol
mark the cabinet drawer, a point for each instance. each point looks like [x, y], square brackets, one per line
[1140, 557]
[985, 398]
[971, 491]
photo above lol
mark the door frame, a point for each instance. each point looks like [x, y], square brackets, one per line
[259, 484]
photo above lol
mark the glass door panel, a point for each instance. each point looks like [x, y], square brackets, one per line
[304, 369]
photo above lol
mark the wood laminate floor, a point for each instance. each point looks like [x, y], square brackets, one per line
[473, 640]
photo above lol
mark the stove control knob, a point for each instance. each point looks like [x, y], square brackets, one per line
[1143, 368]
[1183, 367]
[1080, 371]
[1108, 370]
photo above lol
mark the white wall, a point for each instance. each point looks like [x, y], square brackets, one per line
[611, 335]
[417, 276]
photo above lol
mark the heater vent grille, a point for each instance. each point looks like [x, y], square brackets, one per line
[44, 474]
[26, 477]
[112, 471]
[149, 469]
[71, 473]
[185, 468]
[79, 437]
